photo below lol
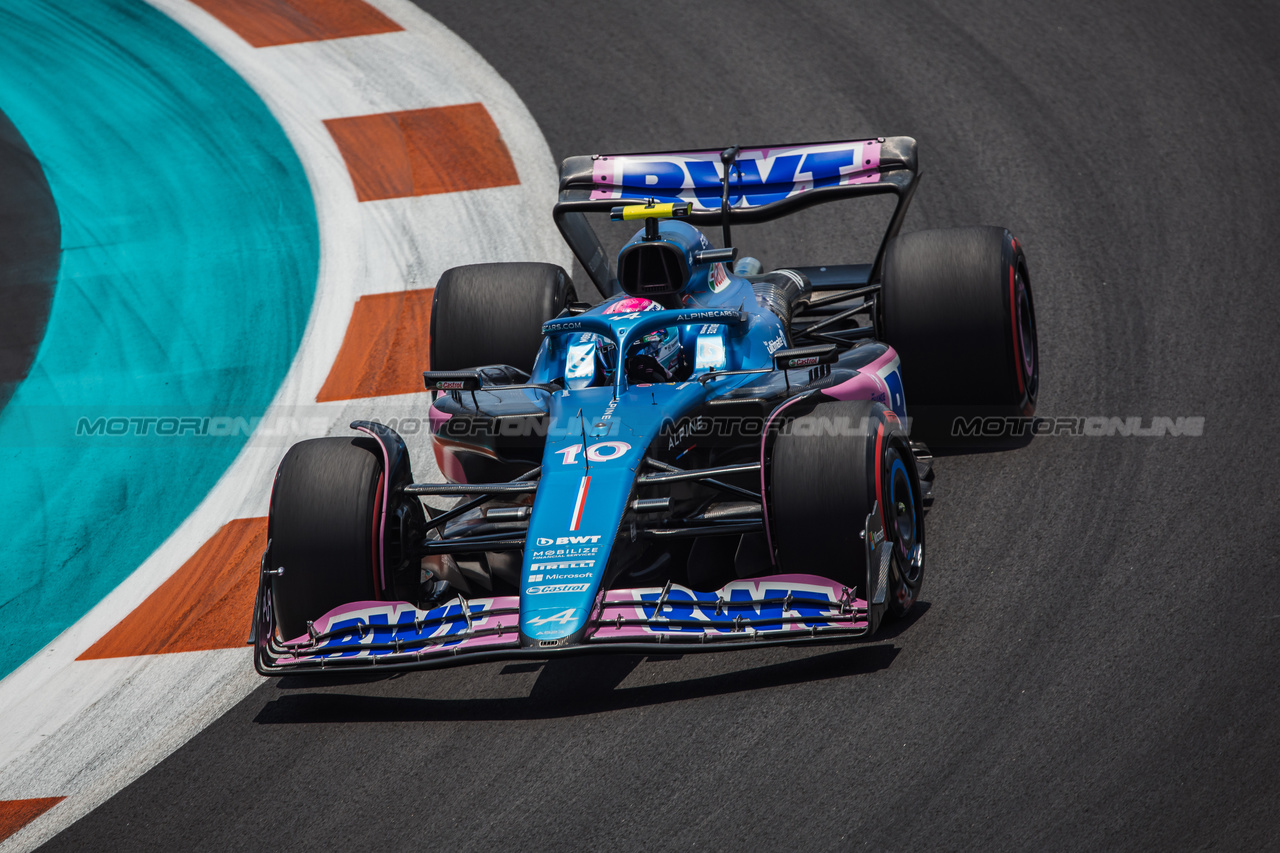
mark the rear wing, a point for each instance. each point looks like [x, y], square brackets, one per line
[765, 183]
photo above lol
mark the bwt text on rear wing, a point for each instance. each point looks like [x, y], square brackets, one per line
[764, 183]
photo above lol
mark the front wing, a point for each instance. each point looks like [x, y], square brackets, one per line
[782, 609]
[773, 610]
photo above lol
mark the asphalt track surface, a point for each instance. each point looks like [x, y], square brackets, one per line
[1094, 665]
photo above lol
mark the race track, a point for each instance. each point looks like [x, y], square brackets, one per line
[1094, 664]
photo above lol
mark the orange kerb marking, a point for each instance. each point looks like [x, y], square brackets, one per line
[15, 814]
[423, 152]
[385, 349]
[207, 604]
[266, 23]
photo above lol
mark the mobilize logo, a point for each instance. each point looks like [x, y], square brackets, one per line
[543, 541]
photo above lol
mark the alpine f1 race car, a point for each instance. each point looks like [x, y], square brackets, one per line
[703, 455]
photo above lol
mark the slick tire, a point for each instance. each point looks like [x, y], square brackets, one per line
[486, 314]
[827, 470]
[956, 306]
[324, 529]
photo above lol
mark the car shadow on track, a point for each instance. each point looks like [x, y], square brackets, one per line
[568, 687]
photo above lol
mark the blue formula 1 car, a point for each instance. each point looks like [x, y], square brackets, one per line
[705, 455]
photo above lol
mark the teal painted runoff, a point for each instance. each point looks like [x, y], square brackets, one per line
[189, 258]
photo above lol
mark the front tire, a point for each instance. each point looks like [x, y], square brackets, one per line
[827, 471]
[324, 529]
[485, 314]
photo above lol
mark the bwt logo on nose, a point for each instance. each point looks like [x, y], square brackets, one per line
[567, 540]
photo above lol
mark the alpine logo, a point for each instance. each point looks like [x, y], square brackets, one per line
[687, 429]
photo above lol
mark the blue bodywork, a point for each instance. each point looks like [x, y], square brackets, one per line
[601, 427]
[616, 423]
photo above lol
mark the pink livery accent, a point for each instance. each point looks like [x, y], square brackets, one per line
[446, 459]
[682, 174]
[441, 631]
[448, 463]
[779, 608]
[759, 608]
[436, 419]
[863, 386]
[632, 304]
[869, 383]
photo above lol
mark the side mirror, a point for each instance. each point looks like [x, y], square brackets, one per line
[451, 380]
[791, 359]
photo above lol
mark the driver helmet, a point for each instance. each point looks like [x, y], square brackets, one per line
[657, 356]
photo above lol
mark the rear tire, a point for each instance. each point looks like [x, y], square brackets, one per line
[324, 529]
[956, 306]
[823, 486]
[493, 313]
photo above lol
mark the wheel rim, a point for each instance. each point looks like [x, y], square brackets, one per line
[903, 523]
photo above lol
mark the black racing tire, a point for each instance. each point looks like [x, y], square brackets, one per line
[956, 306]
[485, 314]
[822, 485]
[324, 528]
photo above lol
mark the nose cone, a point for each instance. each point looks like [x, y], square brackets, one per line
[575, 518]
[589, 469]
